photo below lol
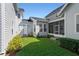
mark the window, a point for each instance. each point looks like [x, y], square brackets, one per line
[50, 25]
[12, 27]
[45, 28]
[34, 28]
[77, 23]
[12, 31]
[62, 27]
[18, 15]
[57, 27]
[40, 27]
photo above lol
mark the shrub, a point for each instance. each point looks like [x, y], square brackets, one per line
[15, 44]
[50, 36]
[70, 44]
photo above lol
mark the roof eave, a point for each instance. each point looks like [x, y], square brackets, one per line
[15, 7]
[62, 9]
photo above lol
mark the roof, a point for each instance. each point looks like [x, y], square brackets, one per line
[37, 18]
[21, 9]
[29, 20]
[55, 11]
[63, 8]
[25, 21]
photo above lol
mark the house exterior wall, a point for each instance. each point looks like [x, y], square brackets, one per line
[34, 28]
[24, 28]
[17, 25]
[57, 27]
[27, 28]
[38, 29]
[70, 21]
[0, 28]
[8, 22]
[30, 28]
[53, 17]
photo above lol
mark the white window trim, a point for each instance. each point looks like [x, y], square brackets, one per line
[62, 9]
[58, 29]
[59, 25]
[44, 28]
[56, 20]
[57, 35]
[76, 23]
[41, 27]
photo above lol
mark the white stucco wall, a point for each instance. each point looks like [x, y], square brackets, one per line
[70, 21]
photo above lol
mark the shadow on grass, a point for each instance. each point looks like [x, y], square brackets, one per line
[44, 47]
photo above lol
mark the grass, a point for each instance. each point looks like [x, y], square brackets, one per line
[42, 47]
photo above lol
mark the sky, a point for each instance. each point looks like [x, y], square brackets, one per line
[38, 9]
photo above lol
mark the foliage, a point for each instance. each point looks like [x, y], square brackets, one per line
[71, 44]
[15, 44]
[50, 36]
[42, 47]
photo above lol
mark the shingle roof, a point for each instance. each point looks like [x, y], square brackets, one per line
[25, 21]
[29, 20]
[37, 18]
[54, 11]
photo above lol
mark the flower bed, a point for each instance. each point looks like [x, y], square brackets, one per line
[14, 45]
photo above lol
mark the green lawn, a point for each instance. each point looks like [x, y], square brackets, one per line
[42, 47]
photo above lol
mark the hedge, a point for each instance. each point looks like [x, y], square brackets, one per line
[68, 43]
[50, 36]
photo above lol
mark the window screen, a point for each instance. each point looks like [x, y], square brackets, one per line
[77, 23]
[45, 28]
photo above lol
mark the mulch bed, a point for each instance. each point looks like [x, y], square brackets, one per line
[12, 53]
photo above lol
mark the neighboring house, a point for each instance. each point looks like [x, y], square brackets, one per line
[9, 24]
[40, 26]
[34, 27]
[27, 27]
[64, 21]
